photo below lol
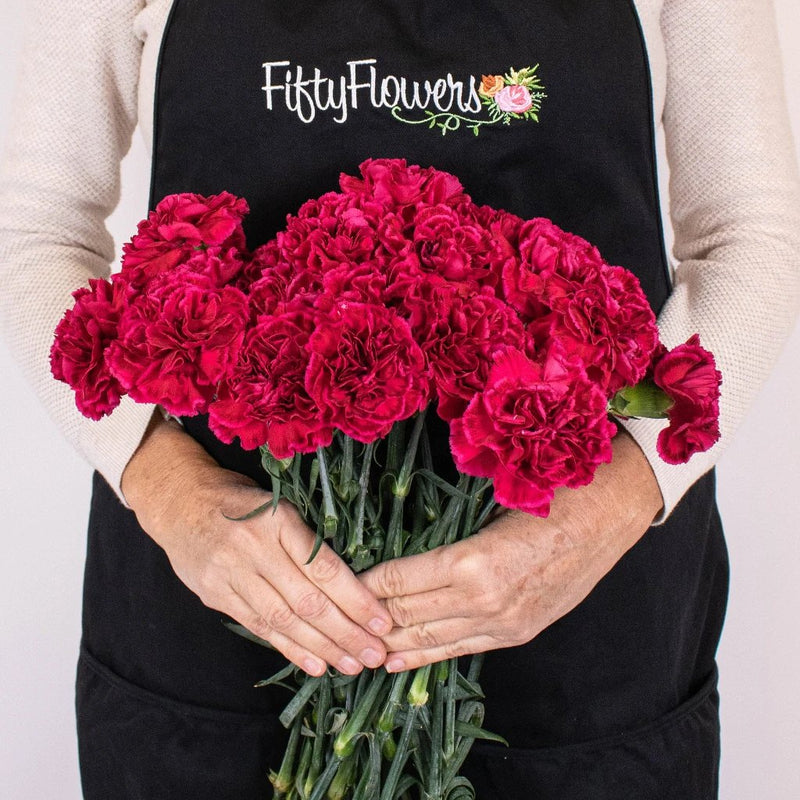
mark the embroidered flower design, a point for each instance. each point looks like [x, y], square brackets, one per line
[491, 85]
[517, 95]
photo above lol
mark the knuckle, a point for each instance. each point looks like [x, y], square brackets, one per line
[259, 626]
[455, 649]
[350, 641]
[209, 588]
[392, 580]
[424, 637]
[470, 567]
[399, 612]
[280, 618]
[493, 603]
[326, 566]
[312, 605]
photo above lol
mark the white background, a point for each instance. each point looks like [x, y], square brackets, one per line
[44, 492]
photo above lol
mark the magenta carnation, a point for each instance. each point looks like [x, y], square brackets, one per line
[534, 428]
[178, 341]
[689, 376]
[366, 372]
[78, 353]
[264, 400]
[396, 184]
[178, 226]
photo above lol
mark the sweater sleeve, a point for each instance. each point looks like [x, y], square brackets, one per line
[734, 204]
[71, 124]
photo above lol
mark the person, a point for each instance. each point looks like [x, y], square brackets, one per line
[601, 622]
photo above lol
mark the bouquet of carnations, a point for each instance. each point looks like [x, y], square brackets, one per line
[406, 360]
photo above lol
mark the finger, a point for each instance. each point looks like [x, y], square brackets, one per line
[313, 605]
[240, 610]
[328, 572]
[409, 575]
[430, 635]
[270, 612]
[413, 609]
[411, 659]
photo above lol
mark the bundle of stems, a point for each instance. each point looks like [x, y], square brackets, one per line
[377, 736]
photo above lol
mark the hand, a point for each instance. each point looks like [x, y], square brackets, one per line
[254, 571]
[504, 585]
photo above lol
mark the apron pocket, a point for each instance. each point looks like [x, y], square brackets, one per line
[673, 758]
[137, 745]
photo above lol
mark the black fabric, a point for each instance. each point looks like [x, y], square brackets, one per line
[138, 745]
[617, 699]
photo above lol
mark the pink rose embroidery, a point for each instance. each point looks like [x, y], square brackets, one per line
[514, 99]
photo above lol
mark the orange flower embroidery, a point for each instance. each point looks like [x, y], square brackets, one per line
[491, 84]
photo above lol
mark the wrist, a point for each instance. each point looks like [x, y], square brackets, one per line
[157, 472]
[616, 508]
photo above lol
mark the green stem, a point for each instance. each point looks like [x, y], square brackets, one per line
[321, 786]
[331, 518]
[453, 531]
[473, 711]
[346, 473]
[323, 704]
[343, 779]
[403, 483]
[304, 781]
[369, 783]
[449, 742]
[344, 744]
[433, 784]
[357, 535]
[298, 702]
[475, 664]
[393, 547]
[447, 527]
[393, 703]
[395, 447]
[283, 780]
[400, 756]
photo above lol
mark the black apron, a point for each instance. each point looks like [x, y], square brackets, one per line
[616, 700]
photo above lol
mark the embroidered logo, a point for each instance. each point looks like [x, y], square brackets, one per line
[516, 95]
[445, 104]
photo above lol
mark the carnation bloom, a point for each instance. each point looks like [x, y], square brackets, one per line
[459, 332]
[366, 372]
[568, 292]
[606, 320]
[544, 249]
[396, 185]
[264, 400]
[178, 340]
[534, 428]
[77, 356]
[452, 245]
[179, 225]
[689, 376]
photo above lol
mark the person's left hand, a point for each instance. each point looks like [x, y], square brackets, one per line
[504, 585]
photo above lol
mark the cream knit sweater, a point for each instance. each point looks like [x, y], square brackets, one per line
[88, 74]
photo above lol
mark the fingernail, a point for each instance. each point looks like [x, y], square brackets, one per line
[313, 667]
[349, 665]
[372, 658]
[379, 626]
[395, 665]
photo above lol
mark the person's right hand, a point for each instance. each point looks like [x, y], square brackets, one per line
[254, 571]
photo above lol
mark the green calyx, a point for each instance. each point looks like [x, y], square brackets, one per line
[645, 399]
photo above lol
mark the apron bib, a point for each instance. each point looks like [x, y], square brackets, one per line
[271, 102]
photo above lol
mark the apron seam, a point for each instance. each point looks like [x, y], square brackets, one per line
[676, 715]
[148, 696]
